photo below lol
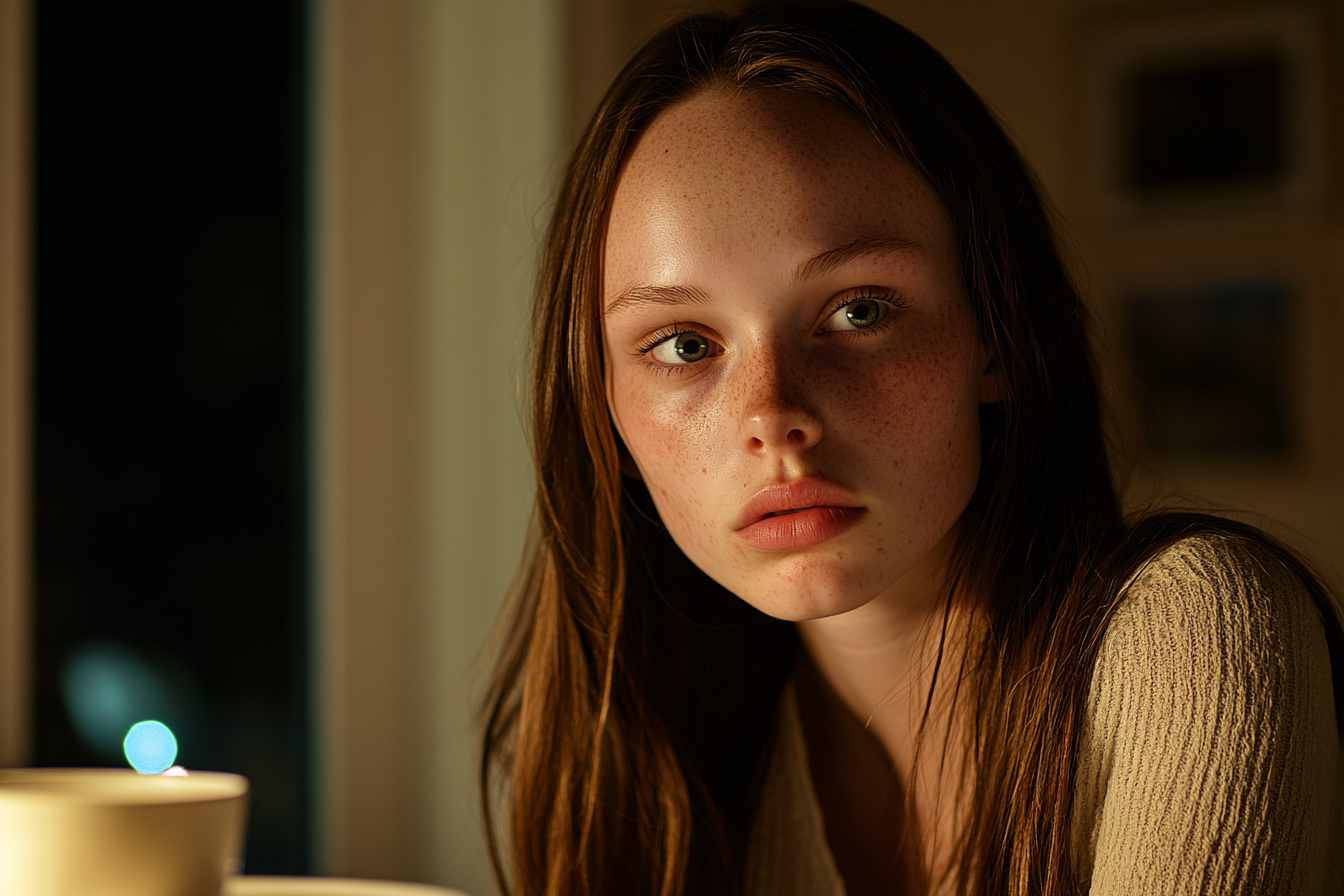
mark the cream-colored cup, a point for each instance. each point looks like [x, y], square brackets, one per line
[115, 832]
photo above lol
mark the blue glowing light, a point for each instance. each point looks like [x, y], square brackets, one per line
[109, 687]
[150, 747]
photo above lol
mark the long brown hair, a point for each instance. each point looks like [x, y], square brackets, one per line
[632, 707]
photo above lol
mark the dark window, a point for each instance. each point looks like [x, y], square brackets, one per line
[169, 393]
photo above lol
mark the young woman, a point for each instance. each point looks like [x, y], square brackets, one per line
[830, 590]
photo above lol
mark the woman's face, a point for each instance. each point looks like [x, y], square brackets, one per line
[791, 360]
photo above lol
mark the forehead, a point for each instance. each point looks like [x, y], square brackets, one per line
[761, 170]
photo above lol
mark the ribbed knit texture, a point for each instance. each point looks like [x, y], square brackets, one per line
[1210, 764]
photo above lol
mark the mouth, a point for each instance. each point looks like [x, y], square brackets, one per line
[793, 515]
[791, 512]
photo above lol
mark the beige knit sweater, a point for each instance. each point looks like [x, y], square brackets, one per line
[1210, 764]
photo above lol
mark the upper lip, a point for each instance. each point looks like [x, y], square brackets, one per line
[781, 497]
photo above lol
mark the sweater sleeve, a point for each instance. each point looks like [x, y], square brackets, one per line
[1210, 760]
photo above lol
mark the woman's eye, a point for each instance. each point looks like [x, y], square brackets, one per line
[859, 314]
[684, 348]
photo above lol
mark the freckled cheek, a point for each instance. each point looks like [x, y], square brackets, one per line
[877, 399]
[920, 414]
[673, 445]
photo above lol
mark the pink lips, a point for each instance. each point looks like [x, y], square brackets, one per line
[793, 515]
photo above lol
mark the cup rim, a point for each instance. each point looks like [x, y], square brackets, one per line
[116, 787]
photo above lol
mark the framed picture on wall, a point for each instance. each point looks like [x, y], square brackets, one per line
[1229, 358]
[1214, 112]
[1213, 361]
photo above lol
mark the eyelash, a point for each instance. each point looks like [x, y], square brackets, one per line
[894, 301]
[658, 337]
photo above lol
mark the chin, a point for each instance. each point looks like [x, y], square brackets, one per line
[797, 595]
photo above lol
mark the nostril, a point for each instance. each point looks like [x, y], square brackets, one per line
[774, 431]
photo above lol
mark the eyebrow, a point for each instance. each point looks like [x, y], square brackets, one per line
[814, 267]
[657, 295]
[833, 258]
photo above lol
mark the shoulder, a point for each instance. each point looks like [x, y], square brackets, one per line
[1218, 626]
[1215, 599]
[1215, 633]
[1210, 727]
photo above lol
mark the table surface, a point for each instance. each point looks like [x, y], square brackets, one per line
[257, 885]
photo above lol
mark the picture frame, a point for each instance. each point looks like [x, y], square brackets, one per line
[1206, 113]
[1222, 361]
[1212, 357]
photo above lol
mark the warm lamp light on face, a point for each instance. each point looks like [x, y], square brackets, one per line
[793, 364]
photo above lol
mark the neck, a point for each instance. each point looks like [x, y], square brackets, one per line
[880, 659]
[877, 664]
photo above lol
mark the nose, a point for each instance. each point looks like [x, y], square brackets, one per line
[776, 416]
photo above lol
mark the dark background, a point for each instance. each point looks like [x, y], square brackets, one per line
[169, 388]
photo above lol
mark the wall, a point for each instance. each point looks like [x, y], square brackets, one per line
[15, 337]
[435, 130]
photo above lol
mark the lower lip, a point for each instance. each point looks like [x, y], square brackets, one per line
[804, 529]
